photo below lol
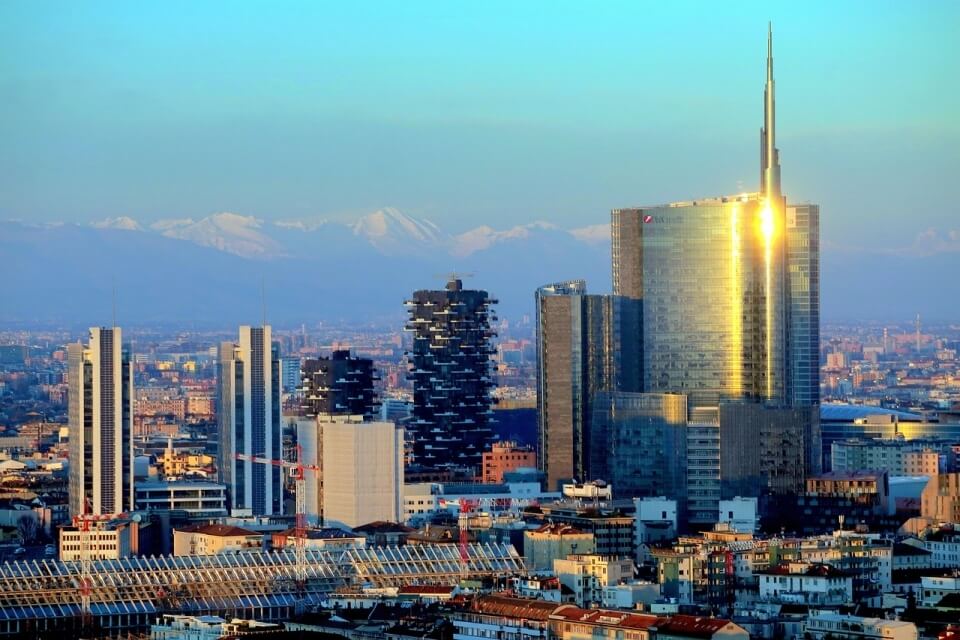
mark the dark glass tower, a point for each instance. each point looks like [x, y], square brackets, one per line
[645, 443]
[339, 385]
[585, 346]
[803, 288]
[450, 369]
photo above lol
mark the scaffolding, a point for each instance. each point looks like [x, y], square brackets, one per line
[127, 593]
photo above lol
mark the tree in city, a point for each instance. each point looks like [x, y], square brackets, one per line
[28, 528]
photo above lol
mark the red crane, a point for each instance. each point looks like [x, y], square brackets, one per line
[298, 472]
[82, 522]
[467, 507]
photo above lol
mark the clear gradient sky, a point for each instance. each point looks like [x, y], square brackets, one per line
[477, 113]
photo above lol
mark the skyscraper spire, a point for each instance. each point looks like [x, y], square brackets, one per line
[769, 156]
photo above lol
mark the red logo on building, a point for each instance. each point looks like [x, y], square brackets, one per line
[647, 219]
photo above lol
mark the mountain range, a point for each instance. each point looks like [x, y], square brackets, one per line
[226, 268]
[214, 270]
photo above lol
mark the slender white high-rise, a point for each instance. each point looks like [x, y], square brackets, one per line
[248, 420]
[100, 380]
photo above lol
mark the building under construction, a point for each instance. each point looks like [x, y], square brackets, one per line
[48, 598]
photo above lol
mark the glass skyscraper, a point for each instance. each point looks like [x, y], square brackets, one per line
[730, 319]
[711, 275]
[803, 298]
[581, 352]
[645, 435]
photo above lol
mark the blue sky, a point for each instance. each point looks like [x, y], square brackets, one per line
[476, 113]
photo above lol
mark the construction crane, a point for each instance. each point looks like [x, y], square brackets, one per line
[298, 472]
[467, 507]
[83, 522]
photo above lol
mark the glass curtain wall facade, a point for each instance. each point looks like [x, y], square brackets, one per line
[646, 451]
[585, 346]
[703, 466]
[711, 276]
[803, 270]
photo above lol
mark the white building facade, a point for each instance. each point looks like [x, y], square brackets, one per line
[100, 400]
[248, 417]
[362, 466]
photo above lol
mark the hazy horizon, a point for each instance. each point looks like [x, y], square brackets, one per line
[497, 114]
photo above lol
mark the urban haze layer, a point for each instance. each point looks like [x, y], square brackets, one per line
[696, 455]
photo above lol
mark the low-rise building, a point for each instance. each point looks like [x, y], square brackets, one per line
[867, 556]
[328, 538]
[655, 520]
[574, 623]
[539, 588]
[382, 533]
[426, 592]
[896, 456]
[680, 573]
[943, 544]
[711, 568]
[587, 576]
[503, 617]
[596, 491]
[933, 589]
[505, 457]
[911, 554]
[866, 487]
[681, 627]
[829, 625]
[614, 532]
[102, 540]
[212, 539]
[423, 500]
[552, 542]
[198, 498]
[525, 619]
[177, 627]
[739, 514]
[629, 595]
[806, 583]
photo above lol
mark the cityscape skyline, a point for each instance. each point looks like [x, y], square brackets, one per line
[646, 428]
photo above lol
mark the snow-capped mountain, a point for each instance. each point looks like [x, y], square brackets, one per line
[202, 270]
[387, 231]
[240, 235]
[595, 234]
[123, 223]
[393, 232]
[484, 237]
[165, 225]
